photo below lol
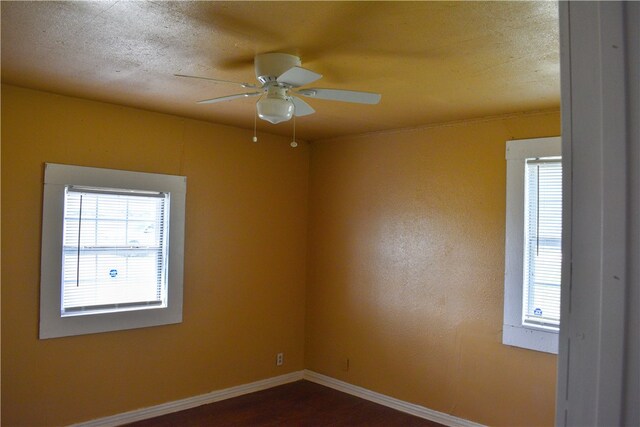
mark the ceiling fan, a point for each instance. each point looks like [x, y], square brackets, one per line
[279, 76]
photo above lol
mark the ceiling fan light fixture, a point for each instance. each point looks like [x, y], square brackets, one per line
[276, 107]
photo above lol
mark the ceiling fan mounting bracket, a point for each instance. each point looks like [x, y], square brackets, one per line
[265, 80]
[277, 91]
[269, 66]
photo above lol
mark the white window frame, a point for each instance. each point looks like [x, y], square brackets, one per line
[514, 333]
[57, 177]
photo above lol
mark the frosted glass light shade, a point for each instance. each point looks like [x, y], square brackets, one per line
[275, 110]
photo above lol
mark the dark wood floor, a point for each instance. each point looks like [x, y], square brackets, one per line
[301, 403]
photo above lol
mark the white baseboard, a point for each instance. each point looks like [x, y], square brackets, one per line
[191, 402]
[391, 402]
[227, 393]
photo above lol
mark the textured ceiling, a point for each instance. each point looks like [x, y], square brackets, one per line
[431, 61]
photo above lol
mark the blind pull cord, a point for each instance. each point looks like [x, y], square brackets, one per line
[538, 211]
[78, 257]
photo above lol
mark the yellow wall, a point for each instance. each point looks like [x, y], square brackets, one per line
[403, 265]
[405, 278]
[245, 249]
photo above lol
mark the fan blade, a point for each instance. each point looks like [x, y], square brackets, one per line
[298, 76]
[246, 85]
[301, 108]
[229, 98]
[342, 95]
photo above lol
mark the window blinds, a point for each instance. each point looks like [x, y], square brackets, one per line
[542, 251]
[114, 250]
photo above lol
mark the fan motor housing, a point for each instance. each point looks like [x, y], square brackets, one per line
[271, 65]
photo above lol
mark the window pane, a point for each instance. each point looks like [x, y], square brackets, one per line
[543, 238]
[114, 253]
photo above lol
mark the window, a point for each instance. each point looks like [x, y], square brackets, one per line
[112, 250]
[533, 255]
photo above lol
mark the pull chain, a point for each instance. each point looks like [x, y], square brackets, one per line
[294, 144]
[255, 123]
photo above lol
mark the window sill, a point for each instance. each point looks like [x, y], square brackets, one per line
[530, 338]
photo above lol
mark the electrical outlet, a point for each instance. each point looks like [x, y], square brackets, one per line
[279, 359]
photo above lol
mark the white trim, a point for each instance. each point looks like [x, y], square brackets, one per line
[599, 359]
[535, 147]
[530, 338]
[228, 393]
[56, 177]
[191, 402]
[390, 402]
